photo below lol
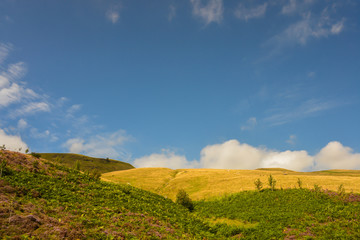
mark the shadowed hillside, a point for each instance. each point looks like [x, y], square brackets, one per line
[87, 163]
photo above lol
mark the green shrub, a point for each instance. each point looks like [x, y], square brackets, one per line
[258, 184]
[299, 182]
[36, 155]
[183, 199]
[272, 182]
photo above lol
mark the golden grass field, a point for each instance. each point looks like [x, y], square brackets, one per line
[209, 183]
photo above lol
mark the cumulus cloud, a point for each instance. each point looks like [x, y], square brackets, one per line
[12, 142]
[248, 13]
[101, 145]
[231, 155]
[211, 12]
[166, 159]
[235, 155]
[336, 156]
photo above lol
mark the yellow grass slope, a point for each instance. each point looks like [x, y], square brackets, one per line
[207, 183]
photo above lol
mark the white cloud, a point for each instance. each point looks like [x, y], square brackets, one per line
[248, 13]
[101, 145]
[22, 124]
[309, 27]
[12, 142]
[337, 27]
[166, 159]
[10, 95]
[250, 124]
[235, 155]
[293, 160]
[231, 155]
[172, 12]
[296, 6]
[336, 156]
[289, 8]
[113, 15]
[211, 12]
[32, 108]
[4, 51]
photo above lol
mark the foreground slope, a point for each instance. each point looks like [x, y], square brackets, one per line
[87, 163]
[44, 200]
[207, 183]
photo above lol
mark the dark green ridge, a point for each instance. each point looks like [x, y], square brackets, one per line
[102, 165]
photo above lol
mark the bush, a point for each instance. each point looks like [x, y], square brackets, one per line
[272, 182]
[36, 155]
[299, 182]
[183, 199]
[258, 184]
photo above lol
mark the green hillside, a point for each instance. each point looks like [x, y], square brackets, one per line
[87, 163]
[41, 199]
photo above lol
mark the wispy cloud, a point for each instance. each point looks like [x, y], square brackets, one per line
[291, 140]
[172, 12]
[309, 27]
[211, 12]
[250, 124]
[306, 109]
[248, 13]
[296, 6]
[113, 14]
[4, 51]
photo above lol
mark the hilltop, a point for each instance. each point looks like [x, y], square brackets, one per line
[86, 163]
[208, 183]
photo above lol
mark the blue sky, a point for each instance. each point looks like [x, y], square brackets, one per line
[193, 83]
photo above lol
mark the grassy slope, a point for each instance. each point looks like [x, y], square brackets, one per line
[206, 183]
[87, 163]
[44, 200]
[289, 214]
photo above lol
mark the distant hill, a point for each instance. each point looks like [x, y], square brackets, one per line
[209, 183]
[103, 165]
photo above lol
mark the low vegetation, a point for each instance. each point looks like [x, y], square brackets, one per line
[85, 163]
[41, 199]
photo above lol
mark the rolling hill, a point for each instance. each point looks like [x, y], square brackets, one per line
[42, 199]
[207, 183]
[102, 165]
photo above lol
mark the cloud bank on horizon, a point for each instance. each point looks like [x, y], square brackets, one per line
[235, 155]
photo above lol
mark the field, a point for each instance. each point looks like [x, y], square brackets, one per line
[208, 183]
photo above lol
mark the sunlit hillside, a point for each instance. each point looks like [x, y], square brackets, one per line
[207, 183]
